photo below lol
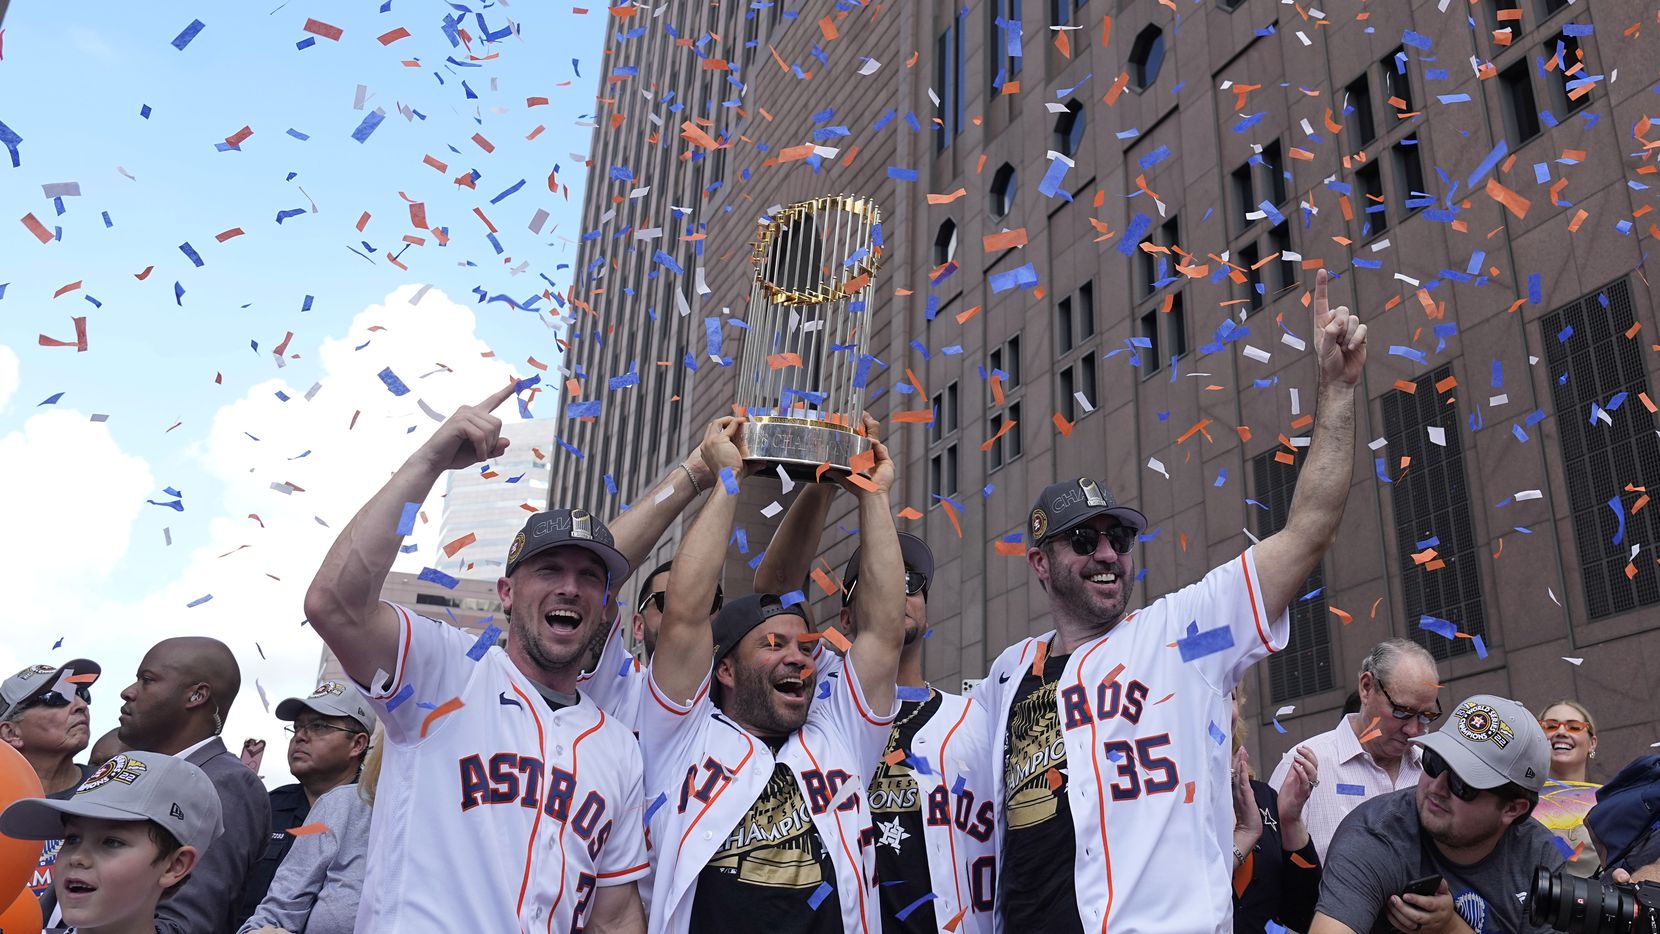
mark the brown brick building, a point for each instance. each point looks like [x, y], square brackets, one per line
[1220, 151]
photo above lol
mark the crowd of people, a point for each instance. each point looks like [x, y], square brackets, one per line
[756, 770]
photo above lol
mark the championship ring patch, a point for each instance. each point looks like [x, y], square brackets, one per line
[122, 768]
[1480, 723]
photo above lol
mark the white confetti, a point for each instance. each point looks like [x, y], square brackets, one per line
[1378, 444]
[1573, 661]
[1525, 495]
[869, 67]
[784, 478]
[772, 509]
[1438, 436]
[1293, 341]
[1285, 711]
[1155, 464]
[1082, 401]
[1296, 401]
[1500, 399]
[1257, 354]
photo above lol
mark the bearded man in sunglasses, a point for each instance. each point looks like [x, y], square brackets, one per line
[1462, 835]
[43, 715]
[1109, 740]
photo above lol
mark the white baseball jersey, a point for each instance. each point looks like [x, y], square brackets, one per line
[711, 771]
[502, 814]
[944, 776]
[617, 682]
[1146, 739]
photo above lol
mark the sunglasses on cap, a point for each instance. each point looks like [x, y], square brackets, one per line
[915, 583]
[1085, 539]
[1434, 765]
[54, 699]
[1572, 726]
[656, 598]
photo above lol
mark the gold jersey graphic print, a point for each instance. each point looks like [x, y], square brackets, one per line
[775, 844]
[1035, 746]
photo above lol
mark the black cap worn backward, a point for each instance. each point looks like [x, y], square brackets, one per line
[913, 551]
[1071, 503]
[738, 617]
[575, 527]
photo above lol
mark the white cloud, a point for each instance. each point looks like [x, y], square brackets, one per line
[8, 375]
[258, 575]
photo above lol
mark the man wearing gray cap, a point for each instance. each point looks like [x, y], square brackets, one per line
[133, 832]
[1110, 732]
[508, 800]
[1458, 852]
[44, 716]
[326, 746]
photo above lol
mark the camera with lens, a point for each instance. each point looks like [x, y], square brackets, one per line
[1589, 906]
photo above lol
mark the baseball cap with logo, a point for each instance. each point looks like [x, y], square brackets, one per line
[36, 680]
[1071, 503]
[575, 527]
[1490, 741]
[331, 699]
[913, 551]
[132, 786]
[738, 617]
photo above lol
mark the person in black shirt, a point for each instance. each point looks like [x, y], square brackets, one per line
[326, 747]
[1276, 867]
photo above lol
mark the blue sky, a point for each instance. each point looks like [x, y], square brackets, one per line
[88, 552]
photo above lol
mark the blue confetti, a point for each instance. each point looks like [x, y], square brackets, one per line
[1358, 791]
[1481, 647]
[1209, 642]
[50, 400]
[912, 694]
[393, 384]
[656, 803]
[370, 122]
[1216, 733]
[819, 895]
[905, 912]
[1535, 289]
[1437, 625]
[10, 139]
[198, 601]
[435, 576]
[190, 251]
[1487, 164]
[901, 174]
[668, 263]
[1277, 727]
[1619, 516]
[1014, 278]
[399, 699]
[729, 481]
[189, 33]
[486, 639]
[406, 522]
[1050, 185]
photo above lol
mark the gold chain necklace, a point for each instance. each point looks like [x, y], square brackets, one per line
[920, 707]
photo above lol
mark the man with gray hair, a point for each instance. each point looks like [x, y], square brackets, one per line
[1370, 753]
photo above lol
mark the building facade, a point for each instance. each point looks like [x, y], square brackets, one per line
[1101, 223]
[492, 500]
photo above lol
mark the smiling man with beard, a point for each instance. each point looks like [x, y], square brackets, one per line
[1109, 751]
[483, 818]
[762, 827]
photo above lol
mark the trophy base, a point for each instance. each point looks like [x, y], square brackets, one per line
[801, 447]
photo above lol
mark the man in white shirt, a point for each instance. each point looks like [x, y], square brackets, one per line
[1370, 753]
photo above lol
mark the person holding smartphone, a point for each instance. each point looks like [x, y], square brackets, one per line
[1458, 852]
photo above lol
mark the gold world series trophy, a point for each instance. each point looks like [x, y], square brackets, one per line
[804, 367]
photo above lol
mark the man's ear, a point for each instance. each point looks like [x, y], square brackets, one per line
[504, 590]
[724, 673]
[1516, 809]
[179, 865]
[844, 620]
[360, 744]
[1038, 560]
[11, 735]
[198, 694]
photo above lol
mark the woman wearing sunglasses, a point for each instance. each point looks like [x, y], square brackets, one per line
[1568, 795]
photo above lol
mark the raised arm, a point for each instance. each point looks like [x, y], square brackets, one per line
[638, 530]
[1286, 558]
[685, 641]
[343, 602]
[879, 598]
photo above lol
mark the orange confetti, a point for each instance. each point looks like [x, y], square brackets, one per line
[229, 234]
[1008, 548]
[1007, 240]
[306, 830]
[1342, 617]
[913, 417]
[320, 28]
[37, 228]
[458, 544]
[387, 38]
[443, 710]
[837, 640]
[779, 361]
[947, 199]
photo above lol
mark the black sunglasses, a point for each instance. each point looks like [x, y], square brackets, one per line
[915, 583]
[1434, 765]
[656, 598]
[1085, 539]
[54, 699]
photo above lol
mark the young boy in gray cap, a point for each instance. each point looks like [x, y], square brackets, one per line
[131, 834]
[1463, 833]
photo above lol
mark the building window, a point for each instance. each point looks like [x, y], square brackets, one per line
[1231, 5]
[1002, 191]
[1086, 311]
[1175, 325]
[1244, 196]
[1304, 666]
[1003, 445]
[1599, 371]
[948, 74]
[1551, 6]
[1158, 266]
[1357, 108]
[945, 242]
[1150, 335]
[1250, 256]
[1075, 351]
[945, 414]
[1273, 170]
[1397, 84]
[1374, 213]
[1063, 12]
[942, 474]
[1005, 363]
[1075, 379]
[1069, 129]
[1004, 67]
[1432, 511]
[1565, 64]
[1521, 112]
[1282, 271]
[1409, 177]
[1146, 57]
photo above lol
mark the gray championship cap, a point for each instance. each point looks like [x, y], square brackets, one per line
[331, 699]
[1490, 741]
[575, 527]
[1071, 503]
[38, 679]
[133, 786]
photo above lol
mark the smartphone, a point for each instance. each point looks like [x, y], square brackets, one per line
[1428, 885]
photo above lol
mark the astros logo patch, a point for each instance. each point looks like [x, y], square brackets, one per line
[334, 688]
[35, 670]
[1480, 723]
[1040, 524]
[518, 546]
[122, 768]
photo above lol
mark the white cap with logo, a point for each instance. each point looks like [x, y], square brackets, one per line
[132, 786]
[331, 699]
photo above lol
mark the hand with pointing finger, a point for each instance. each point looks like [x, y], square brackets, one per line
[1339, 338]
[470, 436]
